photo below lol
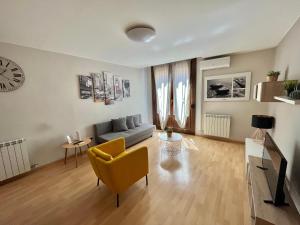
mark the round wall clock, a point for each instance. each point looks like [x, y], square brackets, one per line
[11, 75]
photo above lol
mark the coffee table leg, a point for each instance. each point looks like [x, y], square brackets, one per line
[80, 151]
[76, 156]
[66, 155]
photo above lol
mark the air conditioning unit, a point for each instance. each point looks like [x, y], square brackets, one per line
[209, 64]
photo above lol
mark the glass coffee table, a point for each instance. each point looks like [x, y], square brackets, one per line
[171, 145]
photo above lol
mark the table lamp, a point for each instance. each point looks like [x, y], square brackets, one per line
[261, 122]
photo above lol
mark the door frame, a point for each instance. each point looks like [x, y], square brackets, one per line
[171, 120]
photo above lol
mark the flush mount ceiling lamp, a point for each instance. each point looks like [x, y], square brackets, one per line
[141, 33]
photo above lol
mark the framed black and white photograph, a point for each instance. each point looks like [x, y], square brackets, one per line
[118, 90]
[98, 82]
[126, 88]
[109, 88]
[229, 87]
[85, 87]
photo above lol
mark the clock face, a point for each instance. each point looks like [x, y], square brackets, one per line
[11, 75]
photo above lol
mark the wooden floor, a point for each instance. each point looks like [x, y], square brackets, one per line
[204, 184]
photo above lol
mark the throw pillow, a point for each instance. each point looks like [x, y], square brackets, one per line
[129, 122]
[101, 154]
[136, 120]
[119, 124]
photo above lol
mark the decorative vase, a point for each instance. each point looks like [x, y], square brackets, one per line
[169, 133]
[289, 92]
[272, 78]
[295, 94]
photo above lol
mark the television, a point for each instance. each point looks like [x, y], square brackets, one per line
[274, 166]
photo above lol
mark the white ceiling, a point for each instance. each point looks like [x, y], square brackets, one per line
[185, 28]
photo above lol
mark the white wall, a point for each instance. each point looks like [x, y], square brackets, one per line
[47, 106]
[257, 62]
[287, 128]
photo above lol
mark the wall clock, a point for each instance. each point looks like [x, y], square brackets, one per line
[11, 75]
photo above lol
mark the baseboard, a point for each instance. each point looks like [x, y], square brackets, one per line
[9, 180]
[214, 138]
[60, 161]
[222, 139]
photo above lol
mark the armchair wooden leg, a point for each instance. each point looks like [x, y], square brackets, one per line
[98, 182]
[146, 180]
[117, 200]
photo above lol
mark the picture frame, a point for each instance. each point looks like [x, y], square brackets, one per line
[109, 87]
[85, 86]
[228, 87]
[126, 88]
[118, 88]
[98, 87]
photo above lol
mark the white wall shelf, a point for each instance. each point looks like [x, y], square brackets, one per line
[287, 100]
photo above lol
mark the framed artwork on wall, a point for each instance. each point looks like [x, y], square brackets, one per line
[118, 90]
[229, 87]
[109, 88]
[98, 83]
[126, 88]
[85, 86]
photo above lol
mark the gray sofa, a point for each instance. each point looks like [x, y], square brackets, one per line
[104, 132]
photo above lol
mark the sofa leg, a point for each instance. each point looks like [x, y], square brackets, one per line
[146, 180]
[98, 182]
[117, 200]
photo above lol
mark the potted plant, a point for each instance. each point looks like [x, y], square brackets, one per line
[296, 93]
[273, 75]
[290, 86]
[169, 131]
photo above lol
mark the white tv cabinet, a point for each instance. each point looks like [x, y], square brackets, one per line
[253, 147]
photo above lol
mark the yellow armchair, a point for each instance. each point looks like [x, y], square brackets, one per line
[116, 168]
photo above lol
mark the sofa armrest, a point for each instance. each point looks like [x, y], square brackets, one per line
[129, 168]
[113, 147]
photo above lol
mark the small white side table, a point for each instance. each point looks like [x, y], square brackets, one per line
[172, 145]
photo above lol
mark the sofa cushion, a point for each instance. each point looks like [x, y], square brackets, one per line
[137, 120]
[138, 132]
[129, 122]
[101, 154]
[119, 124]
[102, 128]
[129, 135]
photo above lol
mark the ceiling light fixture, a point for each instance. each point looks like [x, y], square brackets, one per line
[141, 33]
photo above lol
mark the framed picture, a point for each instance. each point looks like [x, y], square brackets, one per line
[85, 86]
[229, 87]
[118, 90]
[126, 88]
[109, 88]
[98, 82]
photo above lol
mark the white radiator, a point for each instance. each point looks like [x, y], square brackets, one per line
[13, 159]
[216, 125]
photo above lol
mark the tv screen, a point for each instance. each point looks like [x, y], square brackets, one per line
[274, 165]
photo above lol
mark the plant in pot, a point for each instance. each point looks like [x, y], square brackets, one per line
[273, 75]
[169, 131]
[295, 94]
[290, 86]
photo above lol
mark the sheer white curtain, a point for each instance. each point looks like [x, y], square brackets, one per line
[181, 91]
[162, 82]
